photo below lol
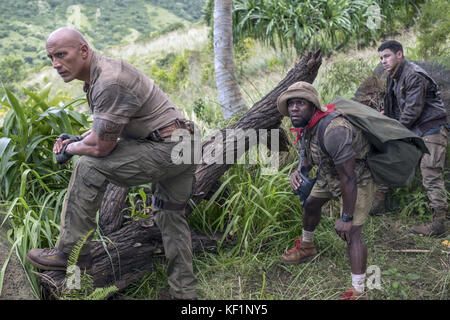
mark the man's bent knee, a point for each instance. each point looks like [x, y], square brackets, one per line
[313, 205]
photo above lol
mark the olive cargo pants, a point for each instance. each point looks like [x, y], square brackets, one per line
[133, 163]
[432, 169]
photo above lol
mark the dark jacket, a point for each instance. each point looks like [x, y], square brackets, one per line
[413, 98]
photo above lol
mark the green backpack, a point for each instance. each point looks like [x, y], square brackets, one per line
[395, 152]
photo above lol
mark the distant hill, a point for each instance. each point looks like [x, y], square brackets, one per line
[26, 24]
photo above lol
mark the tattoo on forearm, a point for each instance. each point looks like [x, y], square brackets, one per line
[107, 130]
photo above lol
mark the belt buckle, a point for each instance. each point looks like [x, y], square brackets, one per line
[155, 136]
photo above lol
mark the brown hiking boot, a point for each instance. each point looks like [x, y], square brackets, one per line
[435, 228]
[353, 294]
[300, 253]
[53, 259]
[378, 205]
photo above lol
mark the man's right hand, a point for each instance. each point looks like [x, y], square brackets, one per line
[296, 180]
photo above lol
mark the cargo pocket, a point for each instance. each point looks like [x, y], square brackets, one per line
[439, 138]
[436, 159]
[93, 182]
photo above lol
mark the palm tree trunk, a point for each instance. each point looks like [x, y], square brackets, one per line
[230, 97]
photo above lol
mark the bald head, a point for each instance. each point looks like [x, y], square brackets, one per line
[68, 36]
[70, 54]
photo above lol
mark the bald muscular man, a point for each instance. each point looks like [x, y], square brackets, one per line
[125, 104]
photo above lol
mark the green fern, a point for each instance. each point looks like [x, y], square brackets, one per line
[86, 290]
[75, 253]
[101, 293]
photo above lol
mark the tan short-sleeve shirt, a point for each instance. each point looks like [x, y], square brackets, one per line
[119, 92]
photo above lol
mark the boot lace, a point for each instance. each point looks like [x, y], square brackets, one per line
[298, 245]
[348, 295]
[50, 252]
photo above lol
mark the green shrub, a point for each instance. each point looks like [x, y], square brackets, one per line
[434, 29]
[27, 136]
[32, 185]
[342, 78]
[170, 72]
[11, 70]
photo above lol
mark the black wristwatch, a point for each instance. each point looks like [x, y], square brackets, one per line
[346, 218]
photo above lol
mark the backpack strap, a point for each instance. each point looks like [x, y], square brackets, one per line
[323, 124]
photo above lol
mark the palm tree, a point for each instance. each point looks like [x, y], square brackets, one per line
[230, 97]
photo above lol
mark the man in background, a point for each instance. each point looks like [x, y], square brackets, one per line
[413, 98]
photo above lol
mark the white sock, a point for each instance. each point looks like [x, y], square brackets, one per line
[307, 236]
[358, 281]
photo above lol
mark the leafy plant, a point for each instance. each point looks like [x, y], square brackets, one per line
[258, 207]
[27, 135]
[11, 69]
[314, 24]
[32, 186]
[33, 219]
[171, 71]
[399, 281]
[342, 78]
[434, 29]
[139, 203]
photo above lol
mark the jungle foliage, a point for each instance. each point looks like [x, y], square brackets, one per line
[314, 24]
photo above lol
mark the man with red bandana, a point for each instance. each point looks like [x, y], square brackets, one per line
[343, 175]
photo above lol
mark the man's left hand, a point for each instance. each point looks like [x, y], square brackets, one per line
[343, 229]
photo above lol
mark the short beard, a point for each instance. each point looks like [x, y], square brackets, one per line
[300, 123]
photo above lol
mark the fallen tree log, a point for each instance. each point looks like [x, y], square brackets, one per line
[263, 115]
[125, 257]
[127, 252]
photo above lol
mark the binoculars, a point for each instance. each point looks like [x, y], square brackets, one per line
[306, 185]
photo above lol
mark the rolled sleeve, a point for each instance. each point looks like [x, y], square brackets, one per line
[115, 103]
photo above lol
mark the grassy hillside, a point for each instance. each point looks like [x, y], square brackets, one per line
[26, 24]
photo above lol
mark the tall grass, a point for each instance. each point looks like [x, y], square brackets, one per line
[32, 185]
[33, 218]
[257, 208]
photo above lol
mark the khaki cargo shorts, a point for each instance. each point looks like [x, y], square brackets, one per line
[364, 199]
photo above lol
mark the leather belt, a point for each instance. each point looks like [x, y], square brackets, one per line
[164, 132]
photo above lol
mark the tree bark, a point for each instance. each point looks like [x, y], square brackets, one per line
[111, 216]
[230, 97]
[125, 257]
